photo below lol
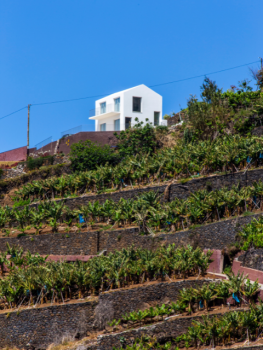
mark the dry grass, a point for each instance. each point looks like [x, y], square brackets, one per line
[104, 313]
[8, 162]
[69, 345]
[170, 139]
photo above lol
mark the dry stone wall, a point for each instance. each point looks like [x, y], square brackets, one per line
[181, 191]
[38, 328]
[253, 259]
[216, 235]
[173, 191]
[128, 300]
[55, 243]
[171, 328]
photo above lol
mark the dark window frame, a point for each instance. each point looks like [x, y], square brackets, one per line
[154, 121]
[140, 105]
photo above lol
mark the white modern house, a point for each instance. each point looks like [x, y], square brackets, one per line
[118, 111]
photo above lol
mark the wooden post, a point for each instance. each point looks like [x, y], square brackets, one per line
[28, 119]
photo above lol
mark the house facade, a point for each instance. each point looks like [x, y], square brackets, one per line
[118, 111]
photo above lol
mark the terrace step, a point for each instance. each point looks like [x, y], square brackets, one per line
[43, 325]
[217, 235]
[171, 328]
[170, 189]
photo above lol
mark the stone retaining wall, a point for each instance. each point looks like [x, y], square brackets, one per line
[177, 190]
[128, 300]
[56, 243]
[42, 326]
[253, 259]
[171, 328]
[7, 185]
[181, 191]
[216, 235]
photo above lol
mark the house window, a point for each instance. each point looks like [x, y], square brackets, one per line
[117, 125]
[156, 118]
[136, 104]
[127, 123]
[103, 127]
[117, 104]
[103, 107]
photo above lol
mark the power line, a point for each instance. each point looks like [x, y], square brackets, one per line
[13, 112]
[171, 82]
[73, 99]
[203, 75]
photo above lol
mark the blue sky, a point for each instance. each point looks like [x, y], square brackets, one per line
[66, 49]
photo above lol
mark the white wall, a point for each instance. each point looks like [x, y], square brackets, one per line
[109, 101]
[151, 102]
[109, 123]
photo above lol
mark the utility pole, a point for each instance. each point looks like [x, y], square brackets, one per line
[28, 119]
[261, 62]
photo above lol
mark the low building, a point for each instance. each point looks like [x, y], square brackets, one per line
[118, 111]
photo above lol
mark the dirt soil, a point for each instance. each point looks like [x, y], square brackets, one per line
[63, 228]
[40, 306]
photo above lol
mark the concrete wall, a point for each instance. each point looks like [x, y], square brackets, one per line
[17, 154]
[253, 274]
[151, 102]
[40, 327]
[103, 138]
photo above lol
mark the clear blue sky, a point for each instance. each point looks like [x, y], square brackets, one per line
[63, 49]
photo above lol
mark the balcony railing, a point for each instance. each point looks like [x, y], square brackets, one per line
[104, 109]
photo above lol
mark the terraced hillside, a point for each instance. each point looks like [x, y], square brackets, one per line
[136, 250]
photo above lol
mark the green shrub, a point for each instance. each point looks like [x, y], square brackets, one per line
[238, 110]
[1, 173]
[87, 155]
[36, 163]
[140, 139]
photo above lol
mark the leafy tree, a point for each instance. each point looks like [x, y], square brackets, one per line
[209, 90]
[88, 155]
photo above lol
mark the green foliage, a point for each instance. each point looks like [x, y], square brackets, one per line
[21, 203]
[87, 155]
[36, 163]
[32, 278]
[236, 110]
[228, 153]
[1, 172]
[217, 330]
[140, 139]
[148, 212]
[251, 235]
[188, 296]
